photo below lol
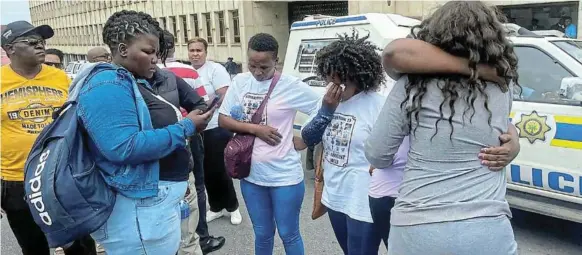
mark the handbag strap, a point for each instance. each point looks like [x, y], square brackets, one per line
[256, 119]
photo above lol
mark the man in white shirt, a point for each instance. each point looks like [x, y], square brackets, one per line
[221, 192]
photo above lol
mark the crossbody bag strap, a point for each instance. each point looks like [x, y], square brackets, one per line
[256, 119]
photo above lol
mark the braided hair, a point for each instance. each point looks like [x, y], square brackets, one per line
[124, 26]
[352, 59]
[467, 29]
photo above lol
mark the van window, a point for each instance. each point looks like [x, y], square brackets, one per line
[540, 77]
[573, 48]
[305, 61]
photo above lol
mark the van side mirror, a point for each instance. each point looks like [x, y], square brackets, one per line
[571, 88]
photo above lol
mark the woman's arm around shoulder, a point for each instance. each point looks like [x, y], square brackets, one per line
[418, 57]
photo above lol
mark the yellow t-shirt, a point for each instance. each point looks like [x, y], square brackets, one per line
[27, 107]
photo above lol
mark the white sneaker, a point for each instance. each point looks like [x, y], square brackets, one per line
[235, 217]
[210, 215]
[59, 251]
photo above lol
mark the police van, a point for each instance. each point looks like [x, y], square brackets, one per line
[546, 177]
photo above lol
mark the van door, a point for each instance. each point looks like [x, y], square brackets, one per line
[549, 126]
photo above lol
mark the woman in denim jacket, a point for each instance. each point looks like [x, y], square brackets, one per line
[114, 108]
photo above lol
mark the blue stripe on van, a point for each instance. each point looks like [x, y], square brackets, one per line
[337, 20]
[569, 132]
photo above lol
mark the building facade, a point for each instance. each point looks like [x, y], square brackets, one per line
[228, 24]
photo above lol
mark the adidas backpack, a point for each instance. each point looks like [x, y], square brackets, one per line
[65, 191]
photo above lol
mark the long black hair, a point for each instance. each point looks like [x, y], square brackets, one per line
[353, 59]
[124, 26]
[467, 29]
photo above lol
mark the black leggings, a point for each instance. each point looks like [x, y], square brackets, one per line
[221, 193]
[29, 235]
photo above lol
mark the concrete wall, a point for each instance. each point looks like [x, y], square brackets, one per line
[266, 17]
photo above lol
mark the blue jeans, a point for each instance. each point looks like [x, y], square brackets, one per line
[144, 226]
[354, 237]
[275, 206]
[380, 209]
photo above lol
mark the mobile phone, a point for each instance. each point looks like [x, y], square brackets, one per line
[213, 103]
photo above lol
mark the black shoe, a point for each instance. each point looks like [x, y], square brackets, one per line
[212, 244]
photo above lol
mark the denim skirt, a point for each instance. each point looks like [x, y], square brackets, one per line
[144, 226]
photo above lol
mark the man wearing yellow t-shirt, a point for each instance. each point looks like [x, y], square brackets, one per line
[30, 93]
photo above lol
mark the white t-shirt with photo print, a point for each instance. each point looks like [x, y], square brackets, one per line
[214, 77]
[278, 165]
[346, 169]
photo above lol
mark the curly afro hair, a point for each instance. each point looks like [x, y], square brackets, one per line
[353, 59]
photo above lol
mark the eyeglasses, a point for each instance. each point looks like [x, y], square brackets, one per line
[31, 42]
[57, 65]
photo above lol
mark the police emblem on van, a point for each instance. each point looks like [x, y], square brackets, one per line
[533, 127]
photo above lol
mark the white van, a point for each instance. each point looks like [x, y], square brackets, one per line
[546, 177]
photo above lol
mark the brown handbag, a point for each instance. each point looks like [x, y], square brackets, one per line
[318, 208]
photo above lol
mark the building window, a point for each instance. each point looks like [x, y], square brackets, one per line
[87, 35]
[221, 28]
[174, 28]
[163, 22]
[235, 28]
[95, 35]
[194, 19]
[78, 36]
[100, 34]
[184, 27]
[208, 23]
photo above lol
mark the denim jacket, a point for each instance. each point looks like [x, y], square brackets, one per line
[122, 139]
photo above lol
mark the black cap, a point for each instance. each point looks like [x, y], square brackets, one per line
[19, 28]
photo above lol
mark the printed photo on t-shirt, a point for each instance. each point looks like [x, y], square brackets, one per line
[250, 105]
[337, 139]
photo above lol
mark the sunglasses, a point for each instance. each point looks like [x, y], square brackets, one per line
[57, 65]
[31, 42]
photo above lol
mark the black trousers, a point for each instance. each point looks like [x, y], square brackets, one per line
[197, 149]
[380, 209]
[221, 193]
[30, 237]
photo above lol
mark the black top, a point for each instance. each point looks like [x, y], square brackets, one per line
[176, 165]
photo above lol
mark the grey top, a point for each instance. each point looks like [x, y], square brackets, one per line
[443, 179]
